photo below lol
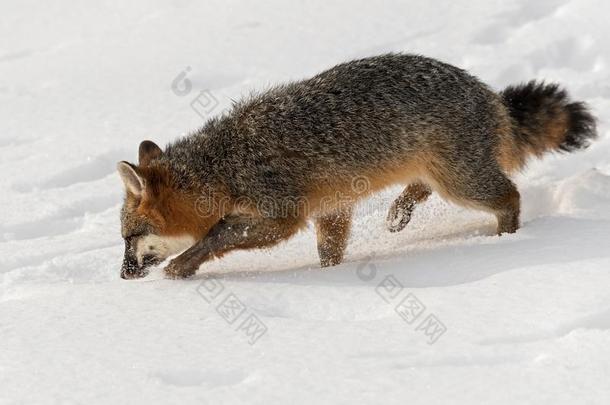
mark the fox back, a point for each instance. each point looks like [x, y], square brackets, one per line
[359, 118]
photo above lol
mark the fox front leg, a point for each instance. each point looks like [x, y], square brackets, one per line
[232, 233]
[187, 263]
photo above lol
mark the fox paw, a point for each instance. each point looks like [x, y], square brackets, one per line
[398, 217]
[177, 269]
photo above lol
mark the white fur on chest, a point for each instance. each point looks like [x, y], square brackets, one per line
[162, 246]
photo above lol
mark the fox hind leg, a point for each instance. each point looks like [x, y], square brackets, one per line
[332, 231]
[402, 208]
[507, 209]
[488, 189]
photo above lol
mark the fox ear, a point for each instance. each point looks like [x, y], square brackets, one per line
[134, 183]
[148, 151]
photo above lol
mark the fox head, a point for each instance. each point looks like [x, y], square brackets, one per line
[158, 219]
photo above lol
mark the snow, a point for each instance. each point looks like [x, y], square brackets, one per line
[523, 318]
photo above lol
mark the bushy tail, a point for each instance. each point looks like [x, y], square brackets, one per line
[544, 119]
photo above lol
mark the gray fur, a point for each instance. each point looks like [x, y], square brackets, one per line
[340, 124]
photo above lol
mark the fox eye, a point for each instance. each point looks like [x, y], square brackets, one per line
[134, 235]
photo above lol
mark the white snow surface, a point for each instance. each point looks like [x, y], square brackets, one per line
[526, 317]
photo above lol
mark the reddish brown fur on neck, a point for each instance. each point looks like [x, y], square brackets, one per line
[173, 211]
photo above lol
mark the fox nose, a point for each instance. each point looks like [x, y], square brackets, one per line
[130, 268]
[131, 275]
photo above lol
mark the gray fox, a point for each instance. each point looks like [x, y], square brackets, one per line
[310, 149]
